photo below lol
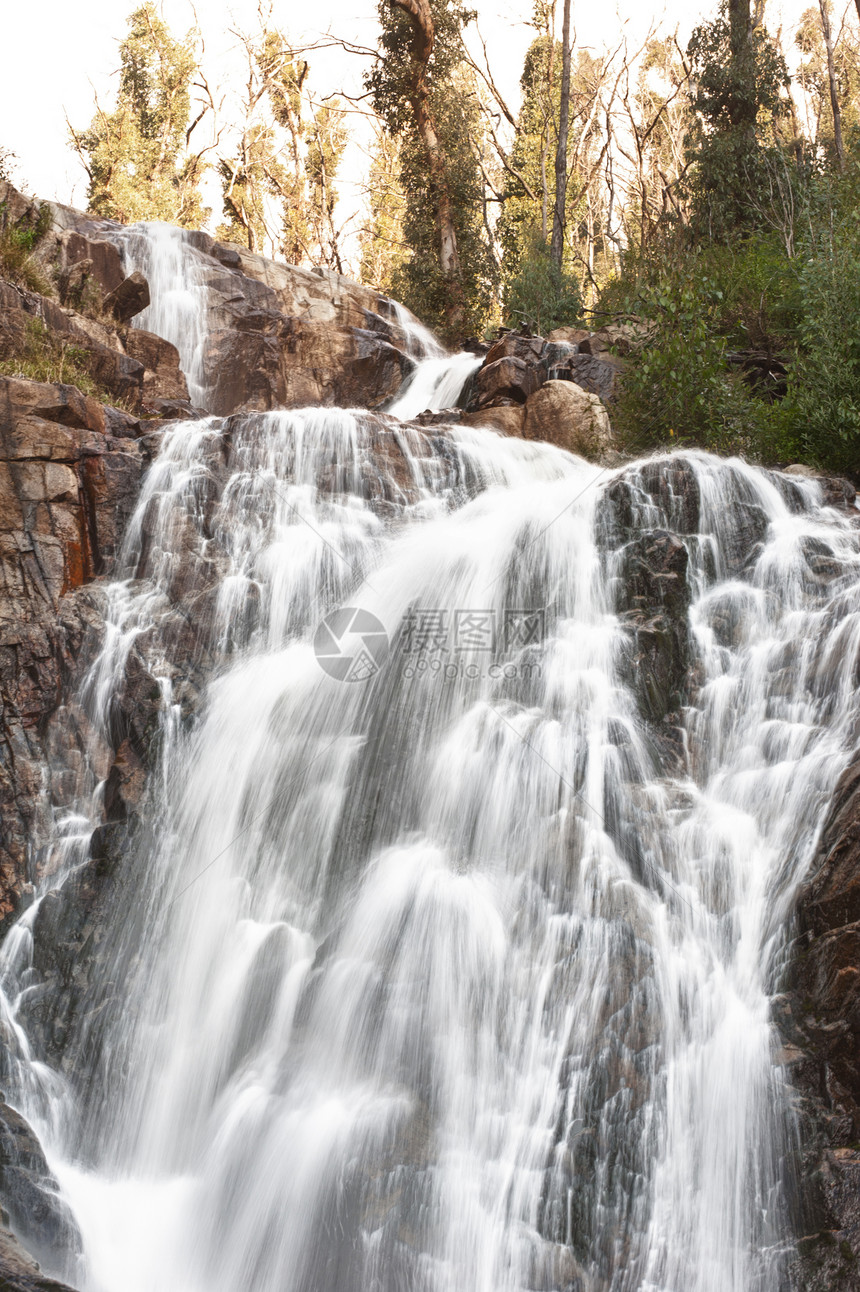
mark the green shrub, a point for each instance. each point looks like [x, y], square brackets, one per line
[541, 295]
[823, 404]
[18, 242]
[45, 356]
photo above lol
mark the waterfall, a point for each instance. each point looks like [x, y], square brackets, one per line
[436, 383]
[179, 304]
[443, 964]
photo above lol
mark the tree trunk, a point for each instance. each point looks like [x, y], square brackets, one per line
[424, 35]
[834, 89]
[557, 245]
[743, 109]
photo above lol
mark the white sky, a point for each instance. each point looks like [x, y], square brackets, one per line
[57, 55]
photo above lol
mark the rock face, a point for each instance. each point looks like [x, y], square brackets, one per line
[279, 336]
[70, 471]
[819, 1015]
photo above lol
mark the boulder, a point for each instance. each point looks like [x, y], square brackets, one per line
[102, 258]
[163, 379]
[562, 413]
[512, 346]
[508, 418]
[571, 335]
[597, 376]
[801, 469]
[510, 377]
[622, 338]
[129, 298]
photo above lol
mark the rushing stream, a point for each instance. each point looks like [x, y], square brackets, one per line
[434, 970]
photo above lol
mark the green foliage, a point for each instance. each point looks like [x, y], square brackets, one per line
[389, 81]
[737, 102]
[136, 156]
[18, 241]
[823, 404]
[679, 389]
[417, 279]
[706, 300]
[539, 295]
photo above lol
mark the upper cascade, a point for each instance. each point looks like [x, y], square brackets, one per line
[253, 334]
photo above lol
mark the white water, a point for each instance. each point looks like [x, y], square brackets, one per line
[420, 341]
[443, 981]
[179, 299]
[435, 384]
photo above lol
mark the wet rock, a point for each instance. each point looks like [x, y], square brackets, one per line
[563, 414]
[819, 1016]
[508, 376]
[653, 599]
[19, 1272]
[507, 418]
[30, 1194]
[660, 493]
[129, 298]
[67, 488]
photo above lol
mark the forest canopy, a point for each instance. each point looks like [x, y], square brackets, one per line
[697, 188]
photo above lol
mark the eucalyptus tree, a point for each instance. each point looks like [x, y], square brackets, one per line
[138, 155]
[423, 90]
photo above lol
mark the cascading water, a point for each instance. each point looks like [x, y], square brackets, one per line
[435, 384]
[452, 977]
[179, 298]
[438, 379]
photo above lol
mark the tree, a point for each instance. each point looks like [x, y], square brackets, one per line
[383, 250]
[830, 80]
[423, 92]
[529, 265]
[137, 157]
[831, 83]
[657, 109]
[278, 182]
[561, 148]
[740, 76]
